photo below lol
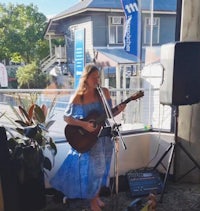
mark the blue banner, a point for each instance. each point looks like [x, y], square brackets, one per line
[132, 30]
[79, 55]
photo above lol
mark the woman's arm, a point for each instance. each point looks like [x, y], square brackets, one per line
[118, 109]
[89, 126]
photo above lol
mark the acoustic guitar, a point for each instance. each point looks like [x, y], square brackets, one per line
[83, 140]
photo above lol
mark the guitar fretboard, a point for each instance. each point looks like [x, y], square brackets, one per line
[103, 117]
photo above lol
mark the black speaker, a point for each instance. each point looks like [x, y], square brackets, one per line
[181, 73]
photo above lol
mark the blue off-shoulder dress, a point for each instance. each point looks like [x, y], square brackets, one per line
[81, 175]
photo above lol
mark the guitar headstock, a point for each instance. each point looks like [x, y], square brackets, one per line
[137, 95]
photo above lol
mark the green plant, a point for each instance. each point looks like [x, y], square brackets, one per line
[28, 138]
[30, 76]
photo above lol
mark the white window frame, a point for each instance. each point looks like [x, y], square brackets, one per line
[116, 23]
[156, 30]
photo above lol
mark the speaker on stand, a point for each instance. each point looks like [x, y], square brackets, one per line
[180, 86]
[181, 73]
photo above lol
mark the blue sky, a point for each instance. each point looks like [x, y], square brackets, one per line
[47, 7]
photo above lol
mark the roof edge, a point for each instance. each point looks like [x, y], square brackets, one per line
[59, 17]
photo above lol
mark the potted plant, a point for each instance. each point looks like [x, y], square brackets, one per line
[28, 138]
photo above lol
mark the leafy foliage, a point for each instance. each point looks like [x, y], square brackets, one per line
[30, 76]
[21, 27]
[29, 137]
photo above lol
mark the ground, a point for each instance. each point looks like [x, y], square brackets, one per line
[178, 197]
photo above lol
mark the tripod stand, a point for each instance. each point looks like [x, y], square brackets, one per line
[172, 149]
[115, 133]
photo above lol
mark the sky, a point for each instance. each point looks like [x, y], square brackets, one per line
[48, 7]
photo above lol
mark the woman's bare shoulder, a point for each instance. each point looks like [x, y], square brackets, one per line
[76, 99]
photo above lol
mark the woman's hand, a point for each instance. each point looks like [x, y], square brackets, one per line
[118, 109]
[121, 107]
[89, 126]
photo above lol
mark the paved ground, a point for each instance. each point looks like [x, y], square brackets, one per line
[178, 197]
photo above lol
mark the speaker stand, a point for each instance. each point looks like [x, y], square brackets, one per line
[172, 149]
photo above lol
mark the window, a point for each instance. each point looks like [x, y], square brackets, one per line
[116, 24]
[135, 75]
[155, 30]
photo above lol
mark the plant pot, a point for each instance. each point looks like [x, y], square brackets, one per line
[32, 194]
[31, 180]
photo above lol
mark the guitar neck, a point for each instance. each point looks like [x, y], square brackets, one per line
[124, 102]
[103, 117]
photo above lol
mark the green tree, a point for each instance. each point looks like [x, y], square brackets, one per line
[41, 49]
[21, 32]
[30, 76]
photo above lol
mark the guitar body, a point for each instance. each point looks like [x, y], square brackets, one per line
[80, 139]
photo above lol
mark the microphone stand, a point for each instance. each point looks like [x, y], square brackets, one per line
[115, 132]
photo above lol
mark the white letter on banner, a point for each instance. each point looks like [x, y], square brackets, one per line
[131, 7]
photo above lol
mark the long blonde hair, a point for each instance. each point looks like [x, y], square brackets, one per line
[89, 68]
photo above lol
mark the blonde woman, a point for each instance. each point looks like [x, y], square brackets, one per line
[83, 174]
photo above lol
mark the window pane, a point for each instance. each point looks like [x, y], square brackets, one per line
[112, 37]
[120, 34]
[155, 35]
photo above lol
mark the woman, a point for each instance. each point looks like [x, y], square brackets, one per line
[83, 174]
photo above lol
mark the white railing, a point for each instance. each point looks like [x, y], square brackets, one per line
[58, 56]
[139, 114]
[48, 63]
